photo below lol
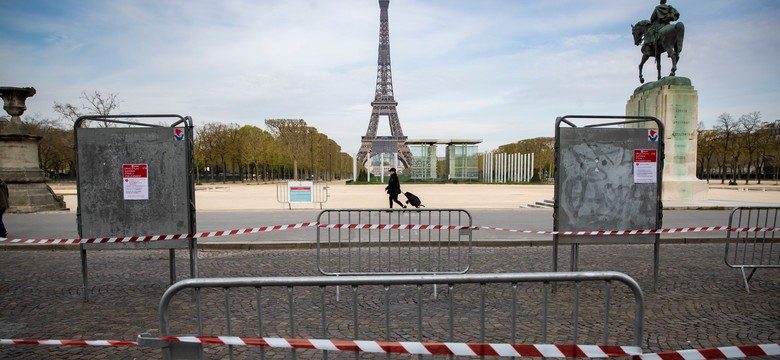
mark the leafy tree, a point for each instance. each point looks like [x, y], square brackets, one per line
[289, 147]
[295, 137]
[543, 149]
[55, 150]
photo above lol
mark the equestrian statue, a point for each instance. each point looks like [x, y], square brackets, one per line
[658, 35]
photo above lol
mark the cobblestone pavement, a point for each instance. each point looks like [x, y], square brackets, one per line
[699, 301]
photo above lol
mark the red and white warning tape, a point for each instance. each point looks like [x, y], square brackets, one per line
[457, 349]
[726, 352]
[129, 239]
[394, 226]
[631, 232]
[421, 348]
[68, 342]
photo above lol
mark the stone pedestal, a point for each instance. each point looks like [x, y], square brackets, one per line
[27, 187]
[674, 101]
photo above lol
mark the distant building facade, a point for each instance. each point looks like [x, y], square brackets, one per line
[773, 128]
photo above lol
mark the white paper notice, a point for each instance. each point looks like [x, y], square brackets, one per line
[645, 166]
[135, 178]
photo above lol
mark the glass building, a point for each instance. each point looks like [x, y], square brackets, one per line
[461, 159]
[462, 162]
[423, 161]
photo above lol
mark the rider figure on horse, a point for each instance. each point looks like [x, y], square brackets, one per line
[662, 16]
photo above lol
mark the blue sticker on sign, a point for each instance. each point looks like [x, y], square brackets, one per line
[178, 134]
[652, 135]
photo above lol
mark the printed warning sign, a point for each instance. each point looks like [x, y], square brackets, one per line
[300, 191]
[135, 181]
[645, 166]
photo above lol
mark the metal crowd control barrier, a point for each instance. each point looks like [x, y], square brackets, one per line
[511, 308]
[754, 249]
[419, 246]
[302, 192]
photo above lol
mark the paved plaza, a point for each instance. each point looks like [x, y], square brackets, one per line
[699, 302]
[250, 196]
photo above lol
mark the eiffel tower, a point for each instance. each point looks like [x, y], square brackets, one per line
[384, 104]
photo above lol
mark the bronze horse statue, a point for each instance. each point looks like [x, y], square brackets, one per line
[669, 40]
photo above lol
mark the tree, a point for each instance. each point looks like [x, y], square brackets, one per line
[294, 135]
[218, 144]
[726, 128]
[768, 150]
[207, 146]
[67, 112]
[707, 149]
[96, 103]
[256, 145]
[55, 150]
[749, 126]
[772, 155]
[543, 149]
[747, 146]
[288, 148]
[254, 153]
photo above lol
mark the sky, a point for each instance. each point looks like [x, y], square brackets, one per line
[495, 70]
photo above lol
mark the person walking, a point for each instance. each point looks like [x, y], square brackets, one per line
[3, 207]
[393, 188]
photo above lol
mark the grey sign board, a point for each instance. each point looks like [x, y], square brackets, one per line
[132, 181]
[608, 177]
[135, 179]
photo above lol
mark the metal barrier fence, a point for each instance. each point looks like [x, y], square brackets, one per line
[753, 249]
[587, 307]
[302, 192]
[420, 241]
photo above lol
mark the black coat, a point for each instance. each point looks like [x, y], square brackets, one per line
[393, 186]
[3, 195]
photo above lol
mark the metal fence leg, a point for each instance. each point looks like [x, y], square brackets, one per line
[747, 278]
[84, 283]
[172, 265]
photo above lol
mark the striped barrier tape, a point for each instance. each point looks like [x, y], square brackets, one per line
[725, 352]
[431, 348]
[543, 232]
[631, 232]
[395, 226]
[420, 348]
[68, 342]
[129, 239]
